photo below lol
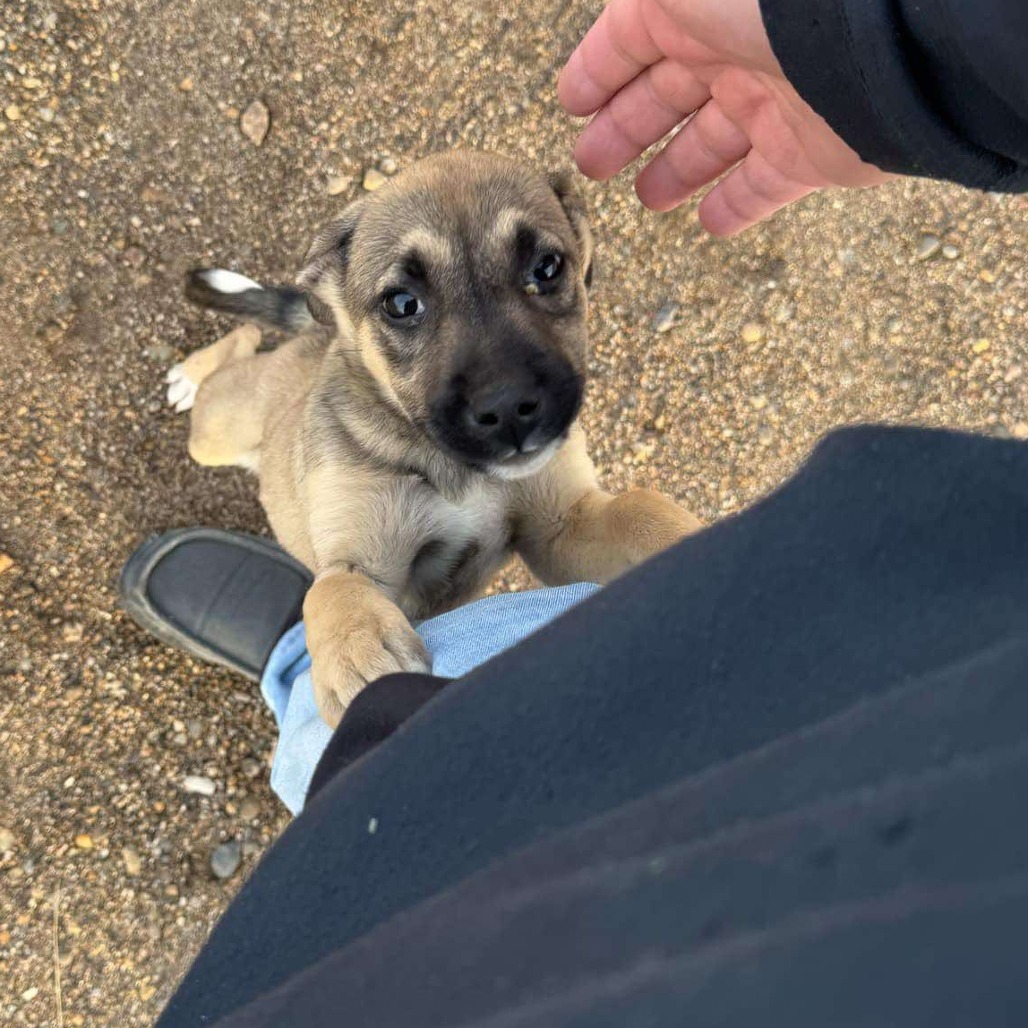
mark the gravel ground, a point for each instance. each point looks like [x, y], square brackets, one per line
[122, 162]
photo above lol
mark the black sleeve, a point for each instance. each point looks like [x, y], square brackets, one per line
[374, 715]
[937, 88]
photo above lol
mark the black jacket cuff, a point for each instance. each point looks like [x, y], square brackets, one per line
[878, 75]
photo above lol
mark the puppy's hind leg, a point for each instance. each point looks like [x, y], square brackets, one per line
[185, 378]
[220, 385]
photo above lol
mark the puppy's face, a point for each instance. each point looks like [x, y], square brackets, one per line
[462, 284]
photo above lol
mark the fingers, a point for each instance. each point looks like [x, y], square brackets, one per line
[704, 150]
[639, 115]
[751, 193]
[614, 51]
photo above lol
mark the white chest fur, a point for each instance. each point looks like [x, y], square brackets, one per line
[428, 550]
[457, 542]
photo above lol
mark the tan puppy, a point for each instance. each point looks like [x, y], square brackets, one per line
[423, 424]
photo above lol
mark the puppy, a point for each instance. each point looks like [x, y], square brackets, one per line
[421, 425]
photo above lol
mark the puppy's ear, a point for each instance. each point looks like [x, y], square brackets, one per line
[574, 207]
[326, 263]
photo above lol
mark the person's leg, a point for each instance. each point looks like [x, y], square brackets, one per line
[458, 642]
[233, 599]
[893, 557]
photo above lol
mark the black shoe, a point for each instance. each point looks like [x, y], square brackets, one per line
[223, 597]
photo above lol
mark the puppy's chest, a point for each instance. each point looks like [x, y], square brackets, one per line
[457, 545]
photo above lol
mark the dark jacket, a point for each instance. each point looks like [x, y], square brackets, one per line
[922, 87]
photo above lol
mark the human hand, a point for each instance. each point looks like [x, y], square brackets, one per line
[647, 65]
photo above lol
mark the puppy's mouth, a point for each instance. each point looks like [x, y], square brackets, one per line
[507, 462]
[527, 461]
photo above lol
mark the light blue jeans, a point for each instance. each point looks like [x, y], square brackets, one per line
[458, 642]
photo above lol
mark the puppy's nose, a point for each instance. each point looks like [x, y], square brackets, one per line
[504, 414]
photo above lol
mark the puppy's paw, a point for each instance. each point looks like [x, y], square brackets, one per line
[374, 640]
[181, 389]
[646, 522]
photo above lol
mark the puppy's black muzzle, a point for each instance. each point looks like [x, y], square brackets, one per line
[491, 411]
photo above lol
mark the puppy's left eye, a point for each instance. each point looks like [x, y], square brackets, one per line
[399, 305]
[545, 274]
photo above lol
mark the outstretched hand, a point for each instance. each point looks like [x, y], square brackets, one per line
[648, 65]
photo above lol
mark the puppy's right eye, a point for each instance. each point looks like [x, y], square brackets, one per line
[399, 305]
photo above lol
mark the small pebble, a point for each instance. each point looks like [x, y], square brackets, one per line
[84, 842]
[199, 785]
[1019, 430]
[72, 633]
[147, 992]
[981, 346]
[759, 402]
[186, 85]
[6, 562]
[7, 840]
[226, 858]
[987, 276]
[765, 436]
[133, 862]
[161, 352]
[752, 332]
[644, 451]
[928, 247]
[338, 184]
[13, 112]
[255, 122]
[388, 166]
[950, 252]
[45, 114]
[373, 179]
[249, 809]
[30, 994]
[134, 256]
[666, 319]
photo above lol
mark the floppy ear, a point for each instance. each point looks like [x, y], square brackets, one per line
[326, 263]
[574, 207]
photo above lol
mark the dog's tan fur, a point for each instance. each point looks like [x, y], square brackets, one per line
[393, 526]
